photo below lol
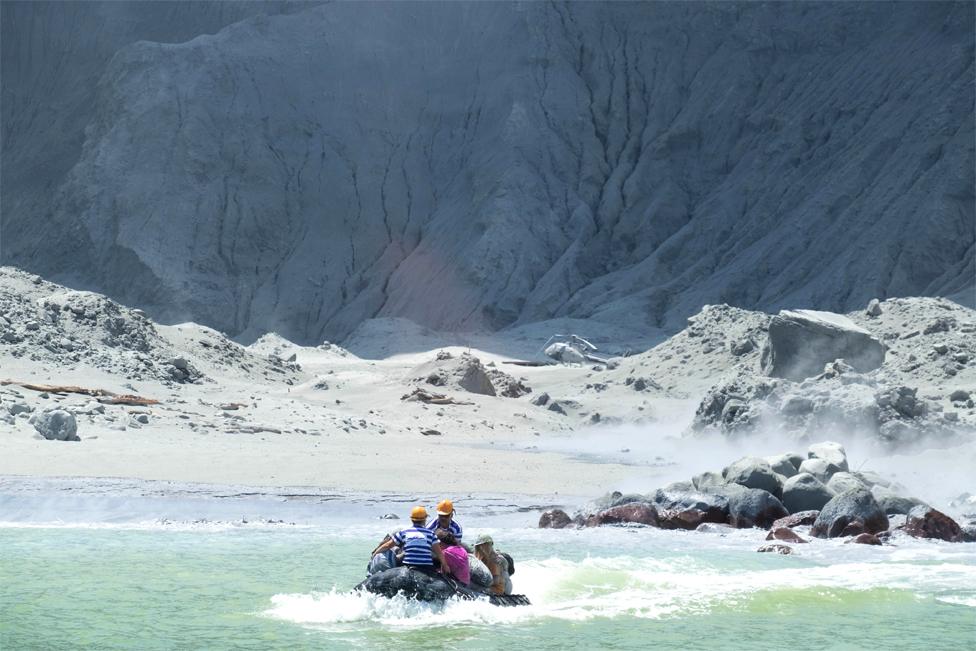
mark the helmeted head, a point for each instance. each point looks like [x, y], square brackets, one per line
[418, 514]
[445, 512]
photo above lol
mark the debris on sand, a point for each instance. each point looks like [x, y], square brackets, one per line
[422, 395]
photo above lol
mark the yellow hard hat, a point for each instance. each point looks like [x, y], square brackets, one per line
[418, 513]
[445, 508]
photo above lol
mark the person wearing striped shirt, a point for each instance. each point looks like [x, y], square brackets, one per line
[420, 545]
[445, 520]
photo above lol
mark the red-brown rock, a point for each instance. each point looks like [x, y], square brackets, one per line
[925, 522]
[634, 513]
[786, 534]
[555, 519]
[865, 539]
[687, 519]
[779, 549]
[854, 528]
[797, 519]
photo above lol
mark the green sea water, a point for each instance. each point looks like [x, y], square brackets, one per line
[281, 587]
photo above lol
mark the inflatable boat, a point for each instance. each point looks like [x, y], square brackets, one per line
[423, 586]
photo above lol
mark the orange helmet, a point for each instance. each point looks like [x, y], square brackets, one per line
[418, 513]
[445, 508]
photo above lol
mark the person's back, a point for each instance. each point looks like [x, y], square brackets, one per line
[417, 543]
[455, 556]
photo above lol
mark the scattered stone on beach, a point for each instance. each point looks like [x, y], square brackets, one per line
[785, 534]
[430, 432]
[541, 400]
[555, 519]
[865, 539]
[776, 548]
[874, 308]
[56, 425]
[926, 522]
[804, 492]
[802, 342]
[850, 513]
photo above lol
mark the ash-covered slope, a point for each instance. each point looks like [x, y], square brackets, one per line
[478, 165]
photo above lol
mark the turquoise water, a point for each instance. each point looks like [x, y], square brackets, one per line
[161, 586]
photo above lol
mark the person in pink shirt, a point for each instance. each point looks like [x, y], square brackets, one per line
[455, 557]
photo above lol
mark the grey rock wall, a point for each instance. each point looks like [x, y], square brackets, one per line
[475, 166]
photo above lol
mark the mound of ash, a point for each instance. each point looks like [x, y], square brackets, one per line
[895, 372]
[57, 326]
[792, 495]
[467, 373]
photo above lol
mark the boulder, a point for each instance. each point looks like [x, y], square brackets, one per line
[776, 548]
[472, 376]
[820, 469]
[555, 519]
[844, 481]
[783, 465]
[753, 472]
[852, 510]
[688, 519]
[874, 308]
[784, 533]
[926, 522]
[633, 513]
[708, 479]
[893, 503]
[830, 452]
[751, 507]
[56, 425]
[802, 342]
[865, 539]
[714, 508]
[804, 492]
[797, 519]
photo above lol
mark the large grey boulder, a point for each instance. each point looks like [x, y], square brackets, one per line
[822, 470]
[56, 425]
[714, 507]
[751, 507]
[707, 480]
[830, 452]
[753, 472]
[783, 464]
[893, 503]
[804, 492]
[802, 342]
[844, 481]
[850, 513]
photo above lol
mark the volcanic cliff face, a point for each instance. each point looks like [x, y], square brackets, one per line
[474, 166]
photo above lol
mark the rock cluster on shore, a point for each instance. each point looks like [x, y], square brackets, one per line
[780, 493]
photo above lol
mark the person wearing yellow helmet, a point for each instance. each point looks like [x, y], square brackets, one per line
[445, 520]
[420, 545]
